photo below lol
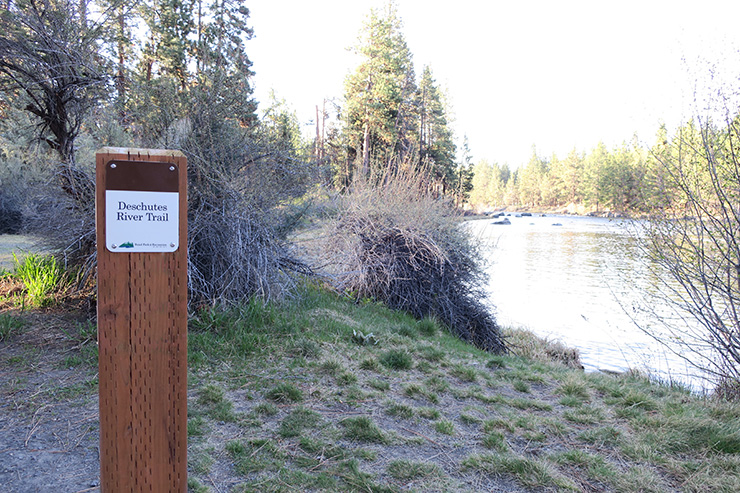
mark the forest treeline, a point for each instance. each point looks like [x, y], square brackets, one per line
[629, 179]
[152, 73]
[79, 75]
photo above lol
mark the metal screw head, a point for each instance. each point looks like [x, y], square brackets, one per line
[113, 165]
[114, 246]
[172, 245]
[172, 168]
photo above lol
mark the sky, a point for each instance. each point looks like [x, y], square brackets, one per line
[519, 74]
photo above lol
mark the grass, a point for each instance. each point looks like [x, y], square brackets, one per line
[10, 325]
[284, 392]
[42, 276]
[396, 359]
[282, 398]
[407, 470]
[363, 429]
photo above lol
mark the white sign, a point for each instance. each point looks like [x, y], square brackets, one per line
[141, 221]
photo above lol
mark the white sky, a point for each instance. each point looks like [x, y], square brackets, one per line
[554, 74]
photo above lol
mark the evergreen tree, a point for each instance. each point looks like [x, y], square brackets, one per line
[436, 146]
[595, 177]
[482, 176]
[464, 179]
[530, 181]
[379, 107]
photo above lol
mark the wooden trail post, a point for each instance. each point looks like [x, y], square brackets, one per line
[141, 223]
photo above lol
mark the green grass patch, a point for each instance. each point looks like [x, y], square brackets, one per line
[407, 470]
[284, 393]
[530, 473]
[396, 359]
[418, 391]
[428, 327]
[254, 456]
[584, 415]
[431, 354]
[362, 429]
[215, 404]
[522, 386]
[464, 373]
[42, 276]
[495, 440]
[369, 364]
[399, 410]
[378, 384]
[605, 436]
[526, 404]
[445, 426]
[428, 412]
[298, 421]
[265, 409]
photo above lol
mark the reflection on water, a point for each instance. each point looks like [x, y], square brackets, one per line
[572, 279]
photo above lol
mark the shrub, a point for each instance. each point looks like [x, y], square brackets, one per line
[394, 241]
[10, 214]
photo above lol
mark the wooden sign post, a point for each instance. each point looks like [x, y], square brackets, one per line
[141, 223]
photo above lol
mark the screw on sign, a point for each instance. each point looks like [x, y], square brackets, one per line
[141, 225]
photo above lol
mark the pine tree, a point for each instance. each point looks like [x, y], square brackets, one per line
[436, 145]
[379, 106]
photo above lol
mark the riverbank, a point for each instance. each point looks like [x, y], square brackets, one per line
[321, 394]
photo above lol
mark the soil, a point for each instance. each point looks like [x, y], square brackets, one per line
[48, 409]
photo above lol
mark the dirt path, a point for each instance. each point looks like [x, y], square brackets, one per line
[48, 412]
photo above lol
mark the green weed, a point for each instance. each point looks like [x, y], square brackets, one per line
[522, 386]
[464, 373]
[428, 412]
[42, 275]
[427, 327]
[213, 399]
[370, 364]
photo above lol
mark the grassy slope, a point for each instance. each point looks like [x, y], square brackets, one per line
[300, 397]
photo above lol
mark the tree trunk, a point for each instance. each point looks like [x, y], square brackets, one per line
[366, 151]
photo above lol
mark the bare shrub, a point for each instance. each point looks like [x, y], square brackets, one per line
[10, 213]
[393, 241]
[240, 194]
[693, 248]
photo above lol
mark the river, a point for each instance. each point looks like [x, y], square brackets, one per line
[575, 279]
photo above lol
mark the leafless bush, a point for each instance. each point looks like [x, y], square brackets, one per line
[10, 213]
[694, 246]
[239, 214]
[392, 241]
[64, 221]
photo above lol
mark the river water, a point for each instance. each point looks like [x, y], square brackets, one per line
[578, 279]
